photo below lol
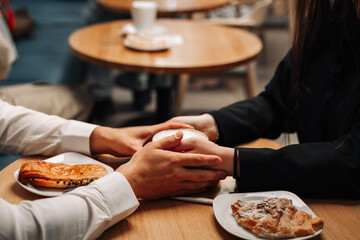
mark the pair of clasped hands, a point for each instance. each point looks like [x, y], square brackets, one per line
[170, 166]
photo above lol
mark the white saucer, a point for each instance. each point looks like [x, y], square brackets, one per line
[153, 48]
[130, 29]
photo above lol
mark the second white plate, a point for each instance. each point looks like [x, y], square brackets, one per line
[70, 158]
[223, 213]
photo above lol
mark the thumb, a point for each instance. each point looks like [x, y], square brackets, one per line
[170, 142]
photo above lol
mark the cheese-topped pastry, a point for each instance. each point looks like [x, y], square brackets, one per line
[275, 218]
[59, 175]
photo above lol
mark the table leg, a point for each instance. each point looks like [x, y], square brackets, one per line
[164, 98]
[252, 80]
[181, 87]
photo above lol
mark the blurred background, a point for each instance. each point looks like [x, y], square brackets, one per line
[48, 77]
[213, 91]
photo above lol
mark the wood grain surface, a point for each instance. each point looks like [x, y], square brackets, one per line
[172, 219]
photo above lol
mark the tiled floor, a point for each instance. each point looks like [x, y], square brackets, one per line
[276, 45]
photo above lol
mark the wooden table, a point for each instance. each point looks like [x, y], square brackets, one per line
[172, 219]
[167, 7]
[206, 48]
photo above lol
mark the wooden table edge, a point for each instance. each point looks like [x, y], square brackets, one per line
[164, 70]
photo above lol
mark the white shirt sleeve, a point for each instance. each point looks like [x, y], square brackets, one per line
[83, 213]
[27, 132]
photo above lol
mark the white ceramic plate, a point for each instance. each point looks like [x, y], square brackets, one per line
[156, 30]
[188, 133]
[223, 213]
[68, 158]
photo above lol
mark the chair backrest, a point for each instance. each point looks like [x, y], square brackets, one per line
[260, 11]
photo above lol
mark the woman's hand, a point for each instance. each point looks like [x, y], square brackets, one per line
[126, 141]
[199, 146]
[155, 171]
[204, 123]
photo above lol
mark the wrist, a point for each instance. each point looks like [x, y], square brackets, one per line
[125, 170]
[211, 128]
[227, 156]
[100, 141]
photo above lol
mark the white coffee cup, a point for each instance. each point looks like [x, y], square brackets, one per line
[187, 133]
[143, 14]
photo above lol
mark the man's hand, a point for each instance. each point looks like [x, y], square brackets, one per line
[204, 123]
[126, 141]
[155, 171]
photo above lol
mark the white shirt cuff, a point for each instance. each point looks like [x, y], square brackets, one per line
[118, 195]
[76, 137]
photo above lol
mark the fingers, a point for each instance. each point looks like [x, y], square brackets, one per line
[195, 160]
[196, 145]
[172, 125]
[187, 145]
[169, 142]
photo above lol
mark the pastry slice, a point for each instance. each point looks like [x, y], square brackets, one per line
[59, 175]
[275, 218]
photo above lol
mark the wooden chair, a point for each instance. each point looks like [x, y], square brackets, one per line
[254, 19]
[251, 21]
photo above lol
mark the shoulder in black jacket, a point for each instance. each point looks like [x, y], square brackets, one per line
[326, 163]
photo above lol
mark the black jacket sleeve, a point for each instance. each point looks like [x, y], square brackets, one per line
[261, 116]
[321, 169]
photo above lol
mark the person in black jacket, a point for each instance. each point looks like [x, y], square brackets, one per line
[315, 92]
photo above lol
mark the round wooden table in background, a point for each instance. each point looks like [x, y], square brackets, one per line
[206, 48]
[167, 7]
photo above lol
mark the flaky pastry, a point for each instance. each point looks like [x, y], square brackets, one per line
[59, 175]
[275, 218]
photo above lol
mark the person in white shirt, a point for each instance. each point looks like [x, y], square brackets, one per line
[85, 212]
